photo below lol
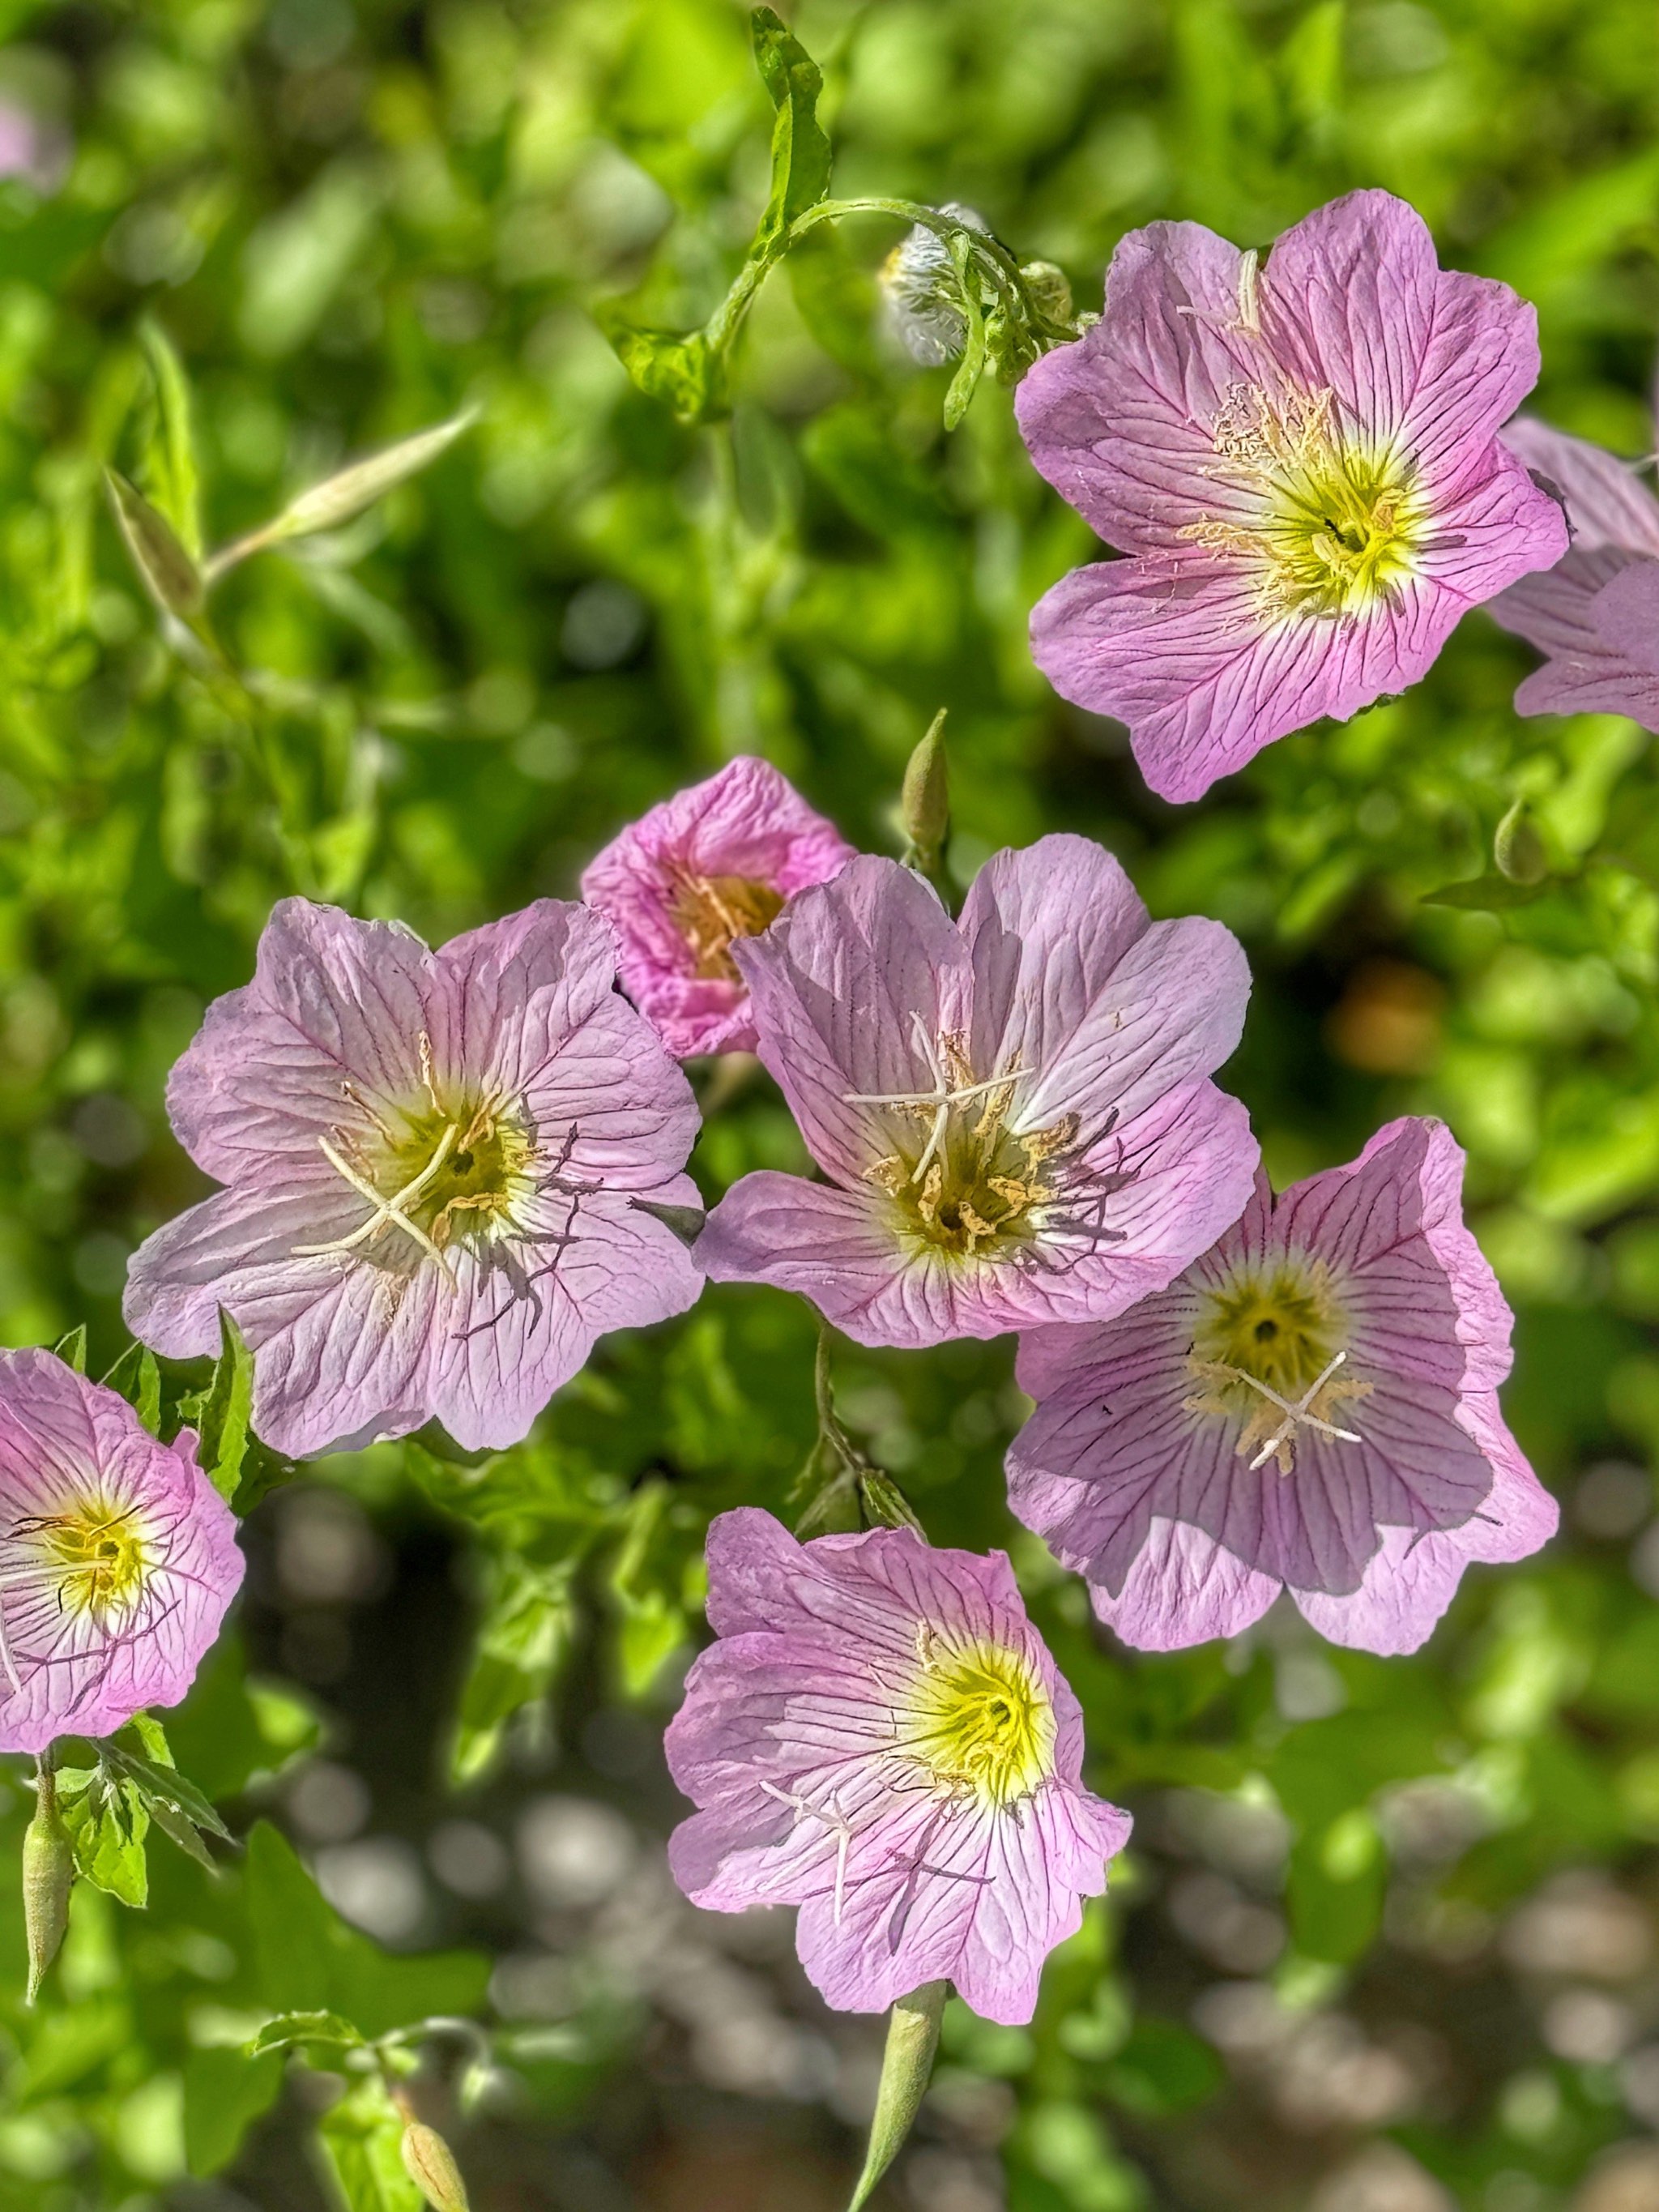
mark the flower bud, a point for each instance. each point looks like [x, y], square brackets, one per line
[925, 802]
[922, 292]
[430, 2164]
[1518, 849]
[1048, 289]
[48, 1873]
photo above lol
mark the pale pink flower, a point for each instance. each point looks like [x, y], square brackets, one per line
[1302, 464]
[117, 1557]
[1312, 1406]
[706, 869]
[1014, 1113]
[440, 1168]
[881, 1737]
[1595, 614]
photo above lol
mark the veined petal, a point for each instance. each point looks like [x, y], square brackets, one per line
[1606, 504]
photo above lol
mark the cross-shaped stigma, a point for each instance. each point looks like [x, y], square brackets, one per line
[1297, 1415]
[389, 1213]
[835, 1821]
[938, 1101]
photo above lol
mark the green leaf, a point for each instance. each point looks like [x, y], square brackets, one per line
[171, 470]
[226, 1410]
[800, 152]
[971, 367]
[675, 367]
[522, 1639]
[166, 569]
[291, 2031]
[335, 501]
[225, 2090]
[1164, 2068]
[361, 2139]
[164, 1788]
[1490, 893]
[135, 1377]
[72, 1349]
[1337, 1882]
[107, 1821]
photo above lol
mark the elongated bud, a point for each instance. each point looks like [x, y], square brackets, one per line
[430, 2164]
[1518, 849]
[907, 2066]
[925, 803]
[1048, 289]
[170, 577]
[48, 1873]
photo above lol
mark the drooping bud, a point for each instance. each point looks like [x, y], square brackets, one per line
[907, 2066]
[170, 577]
[1518, 849]
[925, 802]
[1050, 289]
[430, 2164]
[48, 1875]
[921, 292]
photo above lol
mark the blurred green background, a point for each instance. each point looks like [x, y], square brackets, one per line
[1385, 1941]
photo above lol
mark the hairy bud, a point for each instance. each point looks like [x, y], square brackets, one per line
[921, 292]
[48, 1873]
[430, 2164]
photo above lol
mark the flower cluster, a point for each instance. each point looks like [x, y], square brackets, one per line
[444, 1175]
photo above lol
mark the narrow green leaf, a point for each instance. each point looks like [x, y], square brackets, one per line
[971, 367]
[167, 570]
[1490, 893]
[72, 1349]
[226, 1410]
[154, 1737]
[521, 1641]
[135, 1377]
[327, 505]
[171, 471]
[800, 152]
[291, 2031]
[157, 1785]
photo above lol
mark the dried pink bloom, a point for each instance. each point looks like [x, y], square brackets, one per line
[117, 1557]
[1595, 614]
[880, 1737]
[683, 884]
[433, 1162]
[1312, 1407]
[1014, 1114]
[1302, 465]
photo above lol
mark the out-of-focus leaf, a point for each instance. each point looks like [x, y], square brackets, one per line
[172, 472]
[1493, 894]
[674, 366]
[226, 1410]
[523, 1637]
[1164, 2068]
[225, 2091]
[362, 2138]
[291, 2031]
[1338, 1879]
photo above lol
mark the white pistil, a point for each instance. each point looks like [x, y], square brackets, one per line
[835, 1821]
[941, 1099]
[1298, 1414]
[388, 1212]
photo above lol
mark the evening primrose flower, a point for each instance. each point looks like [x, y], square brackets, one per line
[1312, 1407]
[1014, 1114]
[117, 1557]
[439, 1171]
[1595, 614]
[880, 1737]
[1301, 462]
[688, 880]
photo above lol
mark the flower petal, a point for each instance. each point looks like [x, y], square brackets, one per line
[1606, 504]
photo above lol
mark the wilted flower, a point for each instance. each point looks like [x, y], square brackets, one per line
[880, 1737]
[689, 880]
[1595, 614]
[117, 1557]
[1302, 465]
[1312, 1406]
[1014, 1115]
[922, 291]
[434, 1161]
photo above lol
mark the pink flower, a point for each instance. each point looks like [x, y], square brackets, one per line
[686, 882]
[433, 1161]
[1014, 1114]
[117, 1557]
[1595, 614]
[1312, 1407]
[880, 1737]
[1303, 468]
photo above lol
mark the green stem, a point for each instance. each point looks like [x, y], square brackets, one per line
[907, 2067]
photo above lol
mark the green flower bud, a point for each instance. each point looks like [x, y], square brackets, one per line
[924, 805]
[48, 1875]
[430, 2164]
[1518, 849]
[1048, 289]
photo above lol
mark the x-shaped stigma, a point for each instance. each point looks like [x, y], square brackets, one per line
[389, 1213]
[1297, 1415]
[939, 1100]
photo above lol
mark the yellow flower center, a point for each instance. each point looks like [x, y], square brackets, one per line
[1340, 523]
[1271, 1348]
[710, 911]
[978, 1721]
[960, 1181]
[98, 1553]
